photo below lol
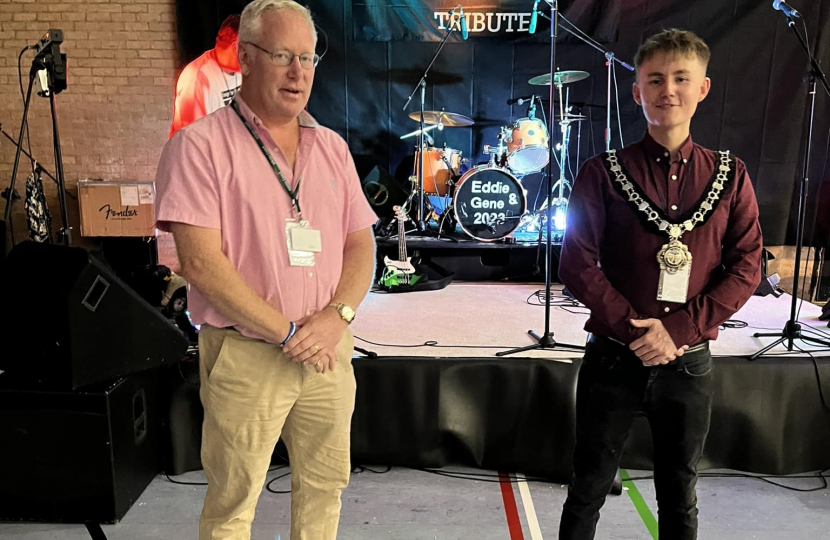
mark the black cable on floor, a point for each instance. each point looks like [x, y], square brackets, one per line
[433, 344]
[490, 478]
[733, 324]
[819, 382]
[358, 469]
[277, 492]
[179, 482]
[763, 478]
[484, 477]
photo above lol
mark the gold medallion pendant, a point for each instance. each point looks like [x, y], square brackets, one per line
[674, 256]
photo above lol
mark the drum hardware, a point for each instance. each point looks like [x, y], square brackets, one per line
[421, 117]
[441, 166]
[418, 132]
[610, 59]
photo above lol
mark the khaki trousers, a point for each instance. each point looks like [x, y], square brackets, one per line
[252, 394]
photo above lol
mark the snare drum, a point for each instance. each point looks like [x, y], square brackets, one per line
[527, 146]
[440, 165]
[489, 203]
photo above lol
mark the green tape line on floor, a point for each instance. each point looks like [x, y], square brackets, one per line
[640, 505]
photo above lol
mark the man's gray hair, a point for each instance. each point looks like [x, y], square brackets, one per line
[250, 23]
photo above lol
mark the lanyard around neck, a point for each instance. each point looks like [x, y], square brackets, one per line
[294, 194]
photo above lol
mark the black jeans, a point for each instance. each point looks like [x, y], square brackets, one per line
[613, 388]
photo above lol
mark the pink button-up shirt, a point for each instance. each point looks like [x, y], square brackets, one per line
[212, 174]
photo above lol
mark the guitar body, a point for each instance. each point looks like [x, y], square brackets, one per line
[393, 277]
[401, 266]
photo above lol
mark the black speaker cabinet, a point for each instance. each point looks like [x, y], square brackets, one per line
[68, 320]
[383, 192]
[77, 456]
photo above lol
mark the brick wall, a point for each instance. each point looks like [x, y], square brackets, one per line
[115, 115]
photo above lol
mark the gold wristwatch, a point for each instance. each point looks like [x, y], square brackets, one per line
[346, 312]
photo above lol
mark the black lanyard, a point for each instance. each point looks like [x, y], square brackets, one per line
[665, 202]
[295, 193]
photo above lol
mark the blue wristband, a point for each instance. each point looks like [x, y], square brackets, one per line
[291, 331]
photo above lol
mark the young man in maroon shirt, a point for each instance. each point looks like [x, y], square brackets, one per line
[663, 245]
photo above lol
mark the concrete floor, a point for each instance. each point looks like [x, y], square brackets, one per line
[413, 505]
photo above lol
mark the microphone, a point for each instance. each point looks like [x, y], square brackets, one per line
[788, 10]
[520, 100]
[534, 18]
[464, 33]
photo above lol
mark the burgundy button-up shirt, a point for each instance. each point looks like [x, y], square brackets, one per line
[609, 257]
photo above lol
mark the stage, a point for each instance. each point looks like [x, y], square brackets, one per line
[483, 318]
[455, 402]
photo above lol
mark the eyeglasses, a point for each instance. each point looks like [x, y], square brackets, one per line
[286, 58]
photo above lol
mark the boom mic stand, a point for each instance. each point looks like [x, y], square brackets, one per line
[422, 84]
[610, 58]
[792, 330]
[546, 340]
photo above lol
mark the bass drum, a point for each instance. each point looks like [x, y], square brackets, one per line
[489, 203]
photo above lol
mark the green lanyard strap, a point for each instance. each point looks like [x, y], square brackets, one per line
[294, 194]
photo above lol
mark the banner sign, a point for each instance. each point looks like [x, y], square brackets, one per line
[503, 20]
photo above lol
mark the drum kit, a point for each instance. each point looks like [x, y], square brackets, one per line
[488, 201]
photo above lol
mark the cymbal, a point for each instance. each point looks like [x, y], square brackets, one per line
[562, 77]
[447, 119]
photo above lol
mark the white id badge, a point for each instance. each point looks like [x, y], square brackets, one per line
[306, 239]
[674, 287]
[298, 252]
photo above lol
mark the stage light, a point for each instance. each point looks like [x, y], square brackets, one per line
[559, 218]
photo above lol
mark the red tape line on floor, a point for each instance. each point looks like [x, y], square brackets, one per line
[510, 508]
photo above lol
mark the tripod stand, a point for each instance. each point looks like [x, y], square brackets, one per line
[49, 59]
[792, 329]
[546, 339]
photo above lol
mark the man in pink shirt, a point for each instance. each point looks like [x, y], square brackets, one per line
[274, 236]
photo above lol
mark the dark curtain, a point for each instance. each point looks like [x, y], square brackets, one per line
[757, 106]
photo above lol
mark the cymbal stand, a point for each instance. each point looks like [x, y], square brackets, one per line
[610, 58]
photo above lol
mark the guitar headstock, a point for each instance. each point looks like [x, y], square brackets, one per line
[400, 213]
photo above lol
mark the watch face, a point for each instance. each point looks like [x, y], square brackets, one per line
[347, 313]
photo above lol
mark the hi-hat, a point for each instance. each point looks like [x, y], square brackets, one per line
[572, 117]
[447, 119]
[562, 77]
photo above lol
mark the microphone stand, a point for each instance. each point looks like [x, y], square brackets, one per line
[38, 64]
[792, 330]
[546, 340]
[422, 84]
